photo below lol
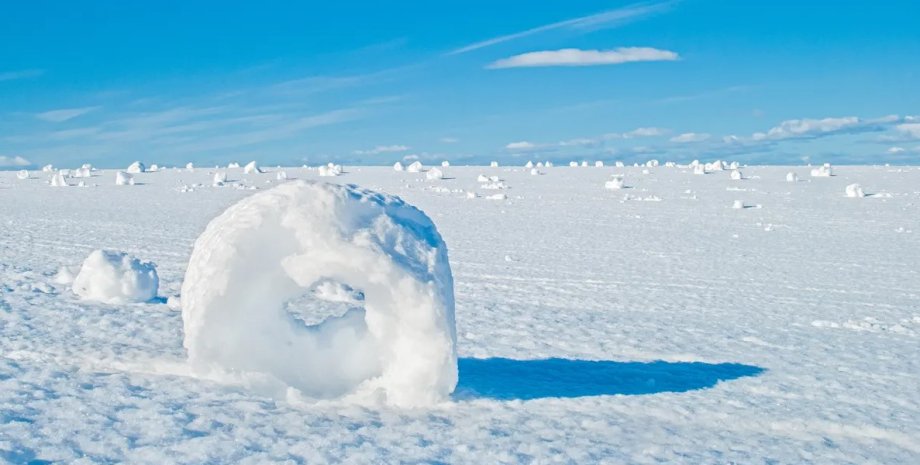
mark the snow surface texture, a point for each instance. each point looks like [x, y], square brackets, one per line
[115, 278]
[274, 246]
[601, 338]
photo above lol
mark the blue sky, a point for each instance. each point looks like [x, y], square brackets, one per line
[108, 82]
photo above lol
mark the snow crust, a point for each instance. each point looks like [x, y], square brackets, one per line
[274, 246]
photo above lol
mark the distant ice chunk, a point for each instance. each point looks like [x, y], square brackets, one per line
[136, 167]
[47, 168]
[616, 183]
[123, 179]
[415, 167]
[738, 204]
[220, 178]
[252, 168]
[792, 177]
[822, 171]
[529, 164]
[445, 164]
[281, 176]
[22, 174]
[494, 164]
[232, 165]
[434, 174]
[329, 170]
[116, 278]
[398, 166]
[736, 175]
[58, 180]
[190, 166]
[855, 191]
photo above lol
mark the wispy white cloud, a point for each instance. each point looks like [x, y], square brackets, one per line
[521, 146]
[603, 20]
[638, 132]
[585, 142]
[22, 74]
[449, 140]
[64, 114]
[689, 137]
[383, 149]
[578, 57]
[911, 130]
[814, 128]
[13, 162]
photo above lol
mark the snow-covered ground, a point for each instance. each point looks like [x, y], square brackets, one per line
[653, 323]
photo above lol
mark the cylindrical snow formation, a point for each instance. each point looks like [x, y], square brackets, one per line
[276, 246]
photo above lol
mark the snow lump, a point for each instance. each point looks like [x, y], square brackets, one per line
[273, 248]
[116, 278]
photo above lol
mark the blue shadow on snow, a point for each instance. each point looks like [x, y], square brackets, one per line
[507, 379]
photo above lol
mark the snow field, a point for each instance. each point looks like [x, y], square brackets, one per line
[816, 289]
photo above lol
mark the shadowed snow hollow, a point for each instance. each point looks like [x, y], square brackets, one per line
[277, 246]
[116, 278]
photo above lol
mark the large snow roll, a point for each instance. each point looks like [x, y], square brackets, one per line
[116, 278]
[265, 254]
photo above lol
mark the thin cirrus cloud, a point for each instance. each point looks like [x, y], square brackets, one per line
[603, 20]
[383, 149]
[13, 162]
[814, 128]
[689, 137]
[578, 57]
[21, 74]
[64, 114]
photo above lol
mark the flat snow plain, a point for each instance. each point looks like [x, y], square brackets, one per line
[594, 325]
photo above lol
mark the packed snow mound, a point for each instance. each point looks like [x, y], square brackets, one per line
[22, 174]
[617, 182]
[58, 180]
[136, 167]
[252, 168]
[329, 170]
[823, 171]
[434, 174]
[276, 247]
[415, 167]
[123, 179]
[116, 278]
[855, 191]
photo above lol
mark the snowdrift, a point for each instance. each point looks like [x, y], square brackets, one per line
[280, 245]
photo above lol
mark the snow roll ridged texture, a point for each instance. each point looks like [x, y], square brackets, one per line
[276, 246]
[116, 278]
